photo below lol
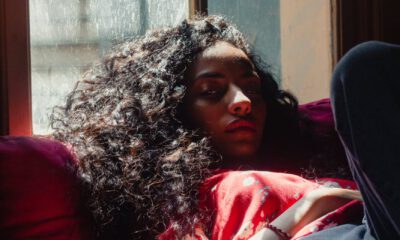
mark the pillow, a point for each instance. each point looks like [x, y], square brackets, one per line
[40, 195]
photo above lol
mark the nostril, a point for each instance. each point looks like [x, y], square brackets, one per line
[240, 109]
[249, 108]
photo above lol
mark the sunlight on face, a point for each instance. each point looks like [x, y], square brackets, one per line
[224, 99]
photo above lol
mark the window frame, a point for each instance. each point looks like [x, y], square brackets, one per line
[197, 6]
[15, 87]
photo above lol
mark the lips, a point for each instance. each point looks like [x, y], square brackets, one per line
[240, 125]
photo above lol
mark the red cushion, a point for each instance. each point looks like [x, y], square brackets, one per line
[316, 146]
[39, 192]
[321, 115]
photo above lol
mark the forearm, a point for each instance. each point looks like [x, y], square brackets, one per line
[308, 209]
[289, 221]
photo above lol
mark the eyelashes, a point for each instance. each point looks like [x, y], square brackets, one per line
[215, 89]
[212, 93]
[253, 89]
[217, 92]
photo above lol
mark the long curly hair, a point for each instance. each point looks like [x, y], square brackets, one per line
[141, 166]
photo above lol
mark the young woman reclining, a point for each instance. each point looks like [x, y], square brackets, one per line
[165, 127]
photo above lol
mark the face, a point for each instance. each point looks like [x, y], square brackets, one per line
[225, 101]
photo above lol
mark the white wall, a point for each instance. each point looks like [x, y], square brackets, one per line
[306, 48]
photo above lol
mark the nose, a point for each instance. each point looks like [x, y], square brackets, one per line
[240, 104]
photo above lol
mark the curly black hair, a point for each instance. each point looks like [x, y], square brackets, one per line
[141, 166]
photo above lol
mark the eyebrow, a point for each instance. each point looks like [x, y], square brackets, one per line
[247, 73]
[209, 75]
[248, 64]
[244, 61]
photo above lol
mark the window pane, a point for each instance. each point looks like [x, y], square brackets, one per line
[294, 37]
[260, 21]
[67, 36]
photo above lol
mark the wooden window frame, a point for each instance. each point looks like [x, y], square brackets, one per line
[15, 87]
[197, 7]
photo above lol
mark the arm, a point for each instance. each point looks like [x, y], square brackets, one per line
[312, 206]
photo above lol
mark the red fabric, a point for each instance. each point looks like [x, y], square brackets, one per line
[40, 198]
[240, 210]
[244, 201]
[320, 114]
[39, 195]
[316, 142]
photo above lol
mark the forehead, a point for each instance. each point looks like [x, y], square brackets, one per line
[223, 50]
[220, 59]
[220, 56]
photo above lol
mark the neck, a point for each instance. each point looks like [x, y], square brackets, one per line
[253, 162]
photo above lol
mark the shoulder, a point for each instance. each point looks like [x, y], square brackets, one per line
[242, 182]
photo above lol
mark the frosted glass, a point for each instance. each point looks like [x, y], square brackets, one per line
[157, 8]
[67, 36]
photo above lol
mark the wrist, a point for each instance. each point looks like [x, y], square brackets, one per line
[278, 232]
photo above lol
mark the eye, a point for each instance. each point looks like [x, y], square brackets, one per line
[252, 89]
[210, 93]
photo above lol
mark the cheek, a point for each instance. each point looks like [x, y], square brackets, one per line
[260, 111]
[264, 113]
[206, 117]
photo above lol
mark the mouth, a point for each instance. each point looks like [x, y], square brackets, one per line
[240, 125]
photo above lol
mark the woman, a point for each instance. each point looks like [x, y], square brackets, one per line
[144, 160]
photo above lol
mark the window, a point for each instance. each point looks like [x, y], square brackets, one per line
[67, 36]
[260, 21]
[301, 40]
[293, 37]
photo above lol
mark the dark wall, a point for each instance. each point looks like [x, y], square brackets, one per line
[363, 20]
[390, 21]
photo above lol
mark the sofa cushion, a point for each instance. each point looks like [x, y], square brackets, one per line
[40, 196]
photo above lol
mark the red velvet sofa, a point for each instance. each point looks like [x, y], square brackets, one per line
[40, 197]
